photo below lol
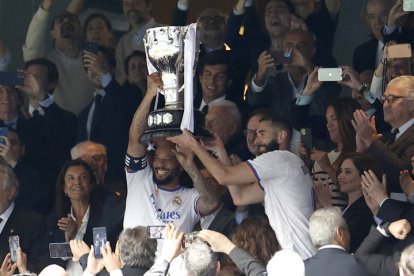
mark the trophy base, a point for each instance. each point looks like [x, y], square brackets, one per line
[166, 123]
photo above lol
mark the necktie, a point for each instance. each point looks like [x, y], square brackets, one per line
[391, 138]
[205, 109]
[96, 111]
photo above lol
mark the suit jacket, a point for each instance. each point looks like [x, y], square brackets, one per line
[333, 261]
[365, 55]
[359, 219]
[29, 226]
[111, 128]
[394, 157]
[369, 257]
[48, 139]
[223, 222]
[54, 235]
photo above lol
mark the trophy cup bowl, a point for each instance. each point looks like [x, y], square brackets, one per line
[164, 47]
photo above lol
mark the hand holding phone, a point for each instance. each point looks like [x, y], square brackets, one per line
[14, 244]
[156, 231]
[330, 74]
[60, 250]
[99, 240]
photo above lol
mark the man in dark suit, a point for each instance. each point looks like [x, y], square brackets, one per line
[18, 221]
[329, 233]
[105, 119]
[395, 148]
[369, 255]
[48, 131]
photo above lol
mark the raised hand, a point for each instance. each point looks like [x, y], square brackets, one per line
[373, 187]
[217, 241]
[365, 127]
[172, 242]
[407, 184]
[7, 268]
[111, 260]
[265, 61]
[313, 83]
[67, 224]
[78, 248]
[400, 229]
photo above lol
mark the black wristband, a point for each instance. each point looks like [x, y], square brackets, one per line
[134, 164]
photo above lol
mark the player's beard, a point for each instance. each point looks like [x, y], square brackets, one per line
[271, 146]
[174, 174]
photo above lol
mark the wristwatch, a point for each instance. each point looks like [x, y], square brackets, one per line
[386, 226]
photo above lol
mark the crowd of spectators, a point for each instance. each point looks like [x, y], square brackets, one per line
[298, 175]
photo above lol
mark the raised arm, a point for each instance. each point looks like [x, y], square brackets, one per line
[139, 122]
[224, 174]
[35, 46]
[209, 197]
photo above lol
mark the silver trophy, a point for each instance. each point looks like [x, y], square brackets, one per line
[164, 47]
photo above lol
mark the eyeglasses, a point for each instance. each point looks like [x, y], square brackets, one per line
[392, 98]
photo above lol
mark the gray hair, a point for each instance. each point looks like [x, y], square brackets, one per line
[75, 151]
[136, 248]
[406, 264]
[200, 260]
[407, 82]
[231, 110]
[323, 225]
[10, 178]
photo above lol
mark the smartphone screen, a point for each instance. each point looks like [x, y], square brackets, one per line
[155, 232]
[60, 250]
[14, 244]
[99, 240]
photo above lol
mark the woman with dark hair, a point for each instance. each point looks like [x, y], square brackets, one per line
[256, 236]
[357, 214]
[98, 29]
[76, 212]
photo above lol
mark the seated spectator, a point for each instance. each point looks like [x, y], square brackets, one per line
[98, 29]
[26, 224]
[394, 148]
[223, 119]
[338, 123]
[357, 214]
[34, 192]
[330, 234]
[255, 236]
[76, 212]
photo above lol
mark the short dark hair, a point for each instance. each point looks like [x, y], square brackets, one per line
[217, 57]
[135, 53]
[97, 15]
[279, 122]
[364, 162]
[52, 71]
